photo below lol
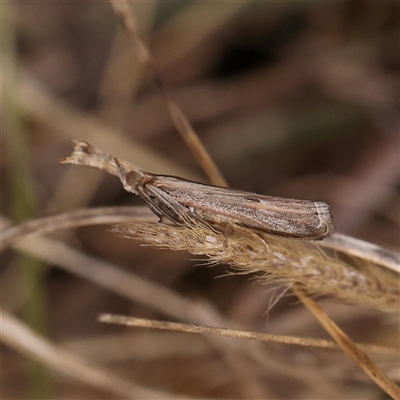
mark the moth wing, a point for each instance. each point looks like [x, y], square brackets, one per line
[281, 216]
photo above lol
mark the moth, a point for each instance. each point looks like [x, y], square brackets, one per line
[177, 199]
[180, 200]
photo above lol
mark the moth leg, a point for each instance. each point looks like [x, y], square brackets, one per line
[164, 205]
[160, 203]
[156, 210]
[161, 210]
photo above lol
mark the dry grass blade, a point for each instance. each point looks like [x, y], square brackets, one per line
[233, 333]
[349, 347]
[364, 250]
[22, 338]
[181, 123]
[72, 219]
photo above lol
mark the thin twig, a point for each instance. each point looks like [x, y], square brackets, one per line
[182, 124]
[348, 346]
[234, 333]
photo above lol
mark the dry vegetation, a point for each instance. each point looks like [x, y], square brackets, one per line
[296, 100]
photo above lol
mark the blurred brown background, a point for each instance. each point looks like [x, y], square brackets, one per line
[291, 99]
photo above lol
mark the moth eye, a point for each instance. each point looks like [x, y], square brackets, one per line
[132, 178]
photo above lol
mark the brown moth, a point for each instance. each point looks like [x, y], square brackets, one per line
[178, 199]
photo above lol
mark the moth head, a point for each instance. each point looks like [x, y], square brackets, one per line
[129, 178]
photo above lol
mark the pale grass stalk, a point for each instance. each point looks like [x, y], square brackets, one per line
[369, 252]
[235, 333]
[69, 220]
[123, 71]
